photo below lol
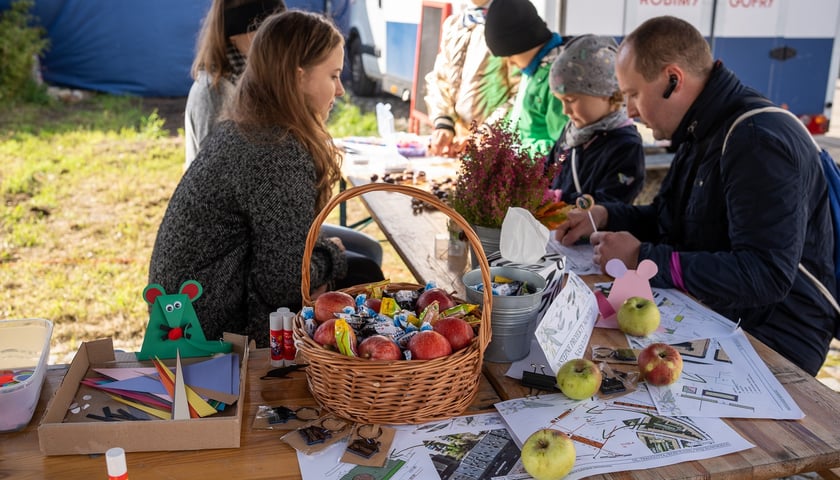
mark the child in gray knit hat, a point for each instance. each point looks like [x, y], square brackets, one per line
[600, 149]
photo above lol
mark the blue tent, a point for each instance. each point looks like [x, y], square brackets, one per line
[143, 48]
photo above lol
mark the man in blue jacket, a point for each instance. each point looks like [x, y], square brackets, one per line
[730, 229]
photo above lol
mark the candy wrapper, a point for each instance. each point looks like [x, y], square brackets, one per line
[345, 338]
[509, 289]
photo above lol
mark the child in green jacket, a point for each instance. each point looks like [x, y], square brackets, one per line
[513, 29]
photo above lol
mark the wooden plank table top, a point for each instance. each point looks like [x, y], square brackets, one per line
[262, 455]
[782, 447]
[413, 237]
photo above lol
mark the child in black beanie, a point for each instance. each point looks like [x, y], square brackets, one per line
[513, 29]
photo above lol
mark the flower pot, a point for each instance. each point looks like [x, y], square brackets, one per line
[489, 238]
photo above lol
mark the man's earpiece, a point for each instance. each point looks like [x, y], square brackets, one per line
[672, 84]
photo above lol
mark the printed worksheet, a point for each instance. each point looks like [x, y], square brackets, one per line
[626, 433]
[682, 319]
[562, 332]
[465, 447]
[578, 257]
[724, 377]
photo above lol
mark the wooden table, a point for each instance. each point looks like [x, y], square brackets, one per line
[413, 237]
[782, 447]
[262, 455]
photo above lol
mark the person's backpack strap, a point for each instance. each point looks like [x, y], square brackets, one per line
[832, 176]
[756, 111]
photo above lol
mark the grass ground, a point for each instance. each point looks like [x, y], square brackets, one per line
[84, 188]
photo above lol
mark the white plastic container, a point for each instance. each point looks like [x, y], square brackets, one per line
[24, 354]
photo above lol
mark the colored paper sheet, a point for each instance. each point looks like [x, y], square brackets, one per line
[218, 374]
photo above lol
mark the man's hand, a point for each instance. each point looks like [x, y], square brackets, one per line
[578, 225]
[621, 245]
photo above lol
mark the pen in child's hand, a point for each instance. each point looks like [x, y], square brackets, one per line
[585, 202]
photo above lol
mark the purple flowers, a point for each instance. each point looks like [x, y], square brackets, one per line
[496, 173]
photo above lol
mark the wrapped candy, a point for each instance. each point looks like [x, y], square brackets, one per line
[431, 313]
[345, 338]
[459, 310]
[308, 315]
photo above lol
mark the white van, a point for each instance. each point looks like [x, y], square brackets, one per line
[381, 44]
[789, 50]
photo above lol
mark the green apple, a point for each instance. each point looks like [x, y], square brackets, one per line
[579, 378]
[548, 454]
[638, 316]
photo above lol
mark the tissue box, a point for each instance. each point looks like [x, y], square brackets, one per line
[59, 437]
[25, 347]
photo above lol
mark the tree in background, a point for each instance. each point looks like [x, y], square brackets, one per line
[20, 45]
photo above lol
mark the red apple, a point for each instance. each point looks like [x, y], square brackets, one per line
[660, 364]
[379, 347]
[373, 303]
[457, 331]
[325, 334]
[329, 303]
[428, 344]
[444, 300]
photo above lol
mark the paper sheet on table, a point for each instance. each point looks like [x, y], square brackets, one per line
[217, 374]
[620, 434]
[682, 318]
[578, 257]
[564, 331]
[726, 379]
[414, 445]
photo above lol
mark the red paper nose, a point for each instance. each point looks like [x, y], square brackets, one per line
[176, 333]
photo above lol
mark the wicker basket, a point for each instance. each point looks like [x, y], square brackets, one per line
[401, 391]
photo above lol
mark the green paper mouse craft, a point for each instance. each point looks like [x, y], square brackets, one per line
[173, 325]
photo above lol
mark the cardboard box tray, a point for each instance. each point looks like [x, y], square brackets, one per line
[57, 435]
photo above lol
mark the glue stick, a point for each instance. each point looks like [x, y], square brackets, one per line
[288, 337]
[115, 460]
[275, 335]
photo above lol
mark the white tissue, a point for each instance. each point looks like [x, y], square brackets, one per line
[523, 238]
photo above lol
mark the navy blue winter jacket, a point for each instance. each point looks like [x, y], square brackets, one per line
[743, 222]
[610, 167]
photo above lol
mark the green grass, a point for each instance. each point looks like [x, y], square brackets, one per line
[84, 188]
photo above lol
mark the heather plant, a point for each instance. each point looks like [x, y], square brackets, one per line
[496, 173]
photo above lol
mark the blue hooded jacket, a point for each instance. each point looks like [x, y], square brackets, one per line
[742, 222]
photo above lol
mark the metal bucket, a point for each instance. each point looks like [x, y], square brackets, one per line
[512, 318]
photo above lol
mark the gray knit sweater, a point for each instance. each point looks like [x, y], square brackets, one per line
[237, 223]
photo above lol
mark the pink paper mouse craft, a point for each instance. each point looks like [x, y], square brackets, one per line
[627, 283]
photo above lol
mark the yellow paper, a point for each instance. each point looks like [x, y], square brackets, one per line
[201, 407]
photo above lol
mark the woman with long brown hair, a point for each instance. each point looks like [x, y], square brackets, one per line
[238, 220]
[223, 43]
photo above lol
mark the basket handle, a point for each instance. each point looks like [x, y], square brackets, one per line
[315, 229]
